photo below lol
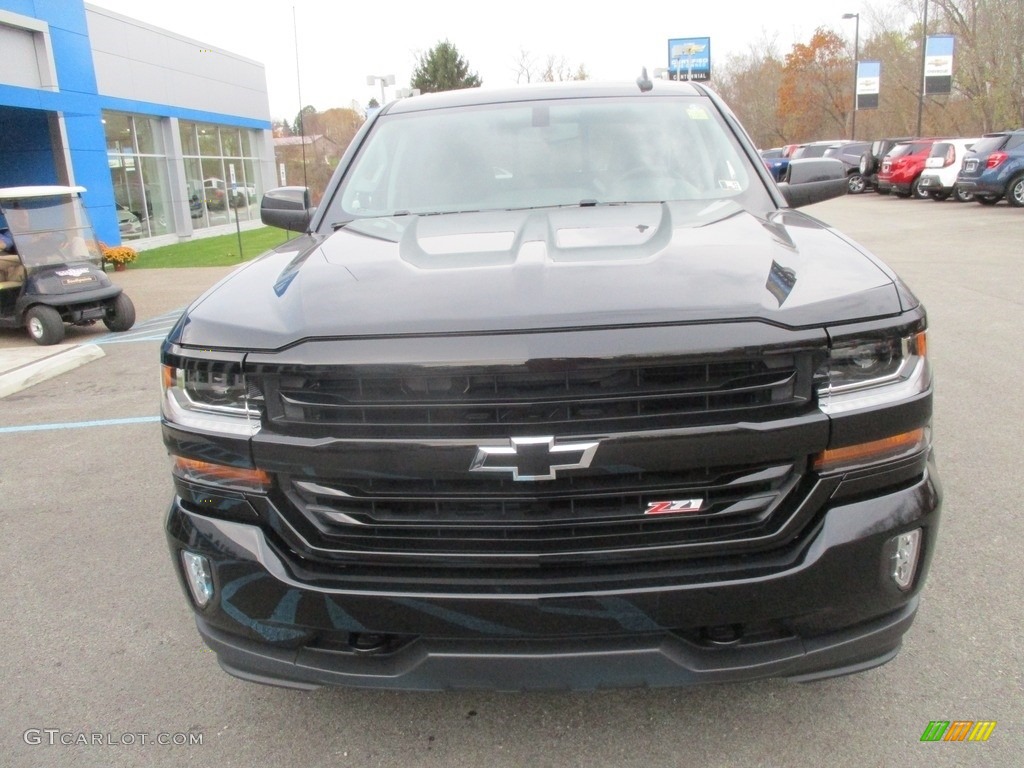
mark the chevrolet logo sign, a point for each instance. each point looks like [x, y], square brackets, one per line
[533, 458]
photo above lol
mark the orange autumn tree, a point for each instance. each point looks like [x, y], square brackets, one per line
[816, 93]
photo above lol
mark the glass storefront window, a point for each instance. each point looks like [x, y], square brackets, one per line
[229, 142]
[138, 173]
[149, 139]
[196, 193]
[118, 131]
[221, 174]
[189, 142]
[158, 219]
[209, 142]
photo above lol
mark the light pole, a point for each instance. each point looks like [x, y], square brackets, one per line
[856, 44]
[384, 80]
[924, 59]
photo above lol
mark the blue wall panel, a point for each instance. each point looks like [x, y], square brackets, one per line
[25, 148]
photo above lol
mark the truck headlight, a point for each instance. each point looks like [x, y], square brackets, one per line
[873, 371]
[212, 397]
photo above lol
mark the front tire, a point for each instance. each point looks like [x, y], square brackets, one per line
[856, 184]
[44, 325]
[120, 314]
[1015, 191]
[916, 192]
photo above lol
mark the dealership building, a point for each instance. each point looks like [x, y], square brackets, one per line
[170, 137]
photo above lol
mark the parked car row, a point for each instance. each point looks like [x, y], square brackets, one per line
[849, 152]
[986, 169]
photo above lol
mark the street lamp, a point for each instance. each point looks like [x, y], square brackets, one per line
[856, 44]
[924, 59]
[384, 80]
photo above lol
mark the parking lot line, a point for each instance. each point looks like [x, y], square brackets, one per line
[80, 424]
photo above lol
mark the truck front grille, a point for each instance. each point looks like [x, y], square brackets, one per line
[738, 509]
[562, 397]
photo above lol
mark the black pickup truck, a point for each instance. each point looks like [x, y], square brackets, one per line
[555, 390]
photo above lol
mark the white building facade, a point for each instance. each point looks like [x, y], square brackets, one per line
[171, 137]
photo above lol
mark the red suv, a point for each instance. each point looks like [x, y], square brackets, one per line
[901, 168]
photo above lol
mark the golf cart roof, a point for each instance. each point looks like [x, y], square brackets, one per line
[17, 193]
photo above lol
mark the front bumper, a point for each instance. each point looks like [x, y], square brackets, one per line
[832, 609]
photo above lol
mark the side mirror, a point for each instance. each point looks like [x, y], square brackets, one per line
[287, 208]
[813, 180]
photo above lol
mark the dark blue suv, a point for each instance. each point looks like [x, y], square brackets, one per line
[994, 168]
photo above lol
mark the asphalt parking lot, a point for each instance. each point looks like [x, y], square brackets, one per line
[102, 662]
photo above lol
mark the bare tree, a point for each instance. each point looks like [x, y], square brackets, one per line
[989, 56]
[524, 66]
[750, 83]
[556, 69]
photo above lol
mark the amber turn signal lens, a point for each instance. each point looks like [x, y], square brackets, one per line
[243, 478]
[866, 453]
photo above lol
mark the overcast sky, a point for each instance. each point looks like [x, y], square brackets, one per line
[340, 43]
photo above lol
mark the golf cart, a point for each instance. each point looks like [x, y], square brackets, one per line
[53, 274]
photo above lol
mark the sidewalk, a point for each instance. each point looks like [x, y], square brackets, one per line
[153, 291]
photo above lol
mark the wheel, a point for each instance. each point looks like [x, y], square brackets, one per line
[44, 325]
[867, 164]
[987, 199]
[939, 195]
[855, 183]
[1015, 191]
[120, 315]
[916, 192]
[961, 195]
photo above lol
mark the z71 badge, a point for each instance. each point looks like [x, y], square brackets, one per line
[679, 506]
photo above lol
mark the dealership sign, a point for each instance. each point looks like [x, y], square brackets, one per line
[938, 65]
[689, 58]
[869, 77]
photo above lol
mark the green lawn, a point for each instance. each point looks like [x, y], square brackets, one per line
[220, 251]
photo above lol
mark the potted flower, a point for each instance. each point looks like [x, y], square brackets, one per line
[118, 255]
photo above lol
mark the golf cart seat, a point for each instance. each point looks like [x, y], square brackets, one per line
[10, 267]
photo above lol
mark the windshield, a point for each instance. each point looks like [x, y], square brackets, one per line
[50, 230]
[546, 153]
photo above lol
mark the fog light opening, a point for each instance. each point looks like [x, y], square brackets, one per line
[368, 642]
[907, 551]
[723, 634]
[199, 577]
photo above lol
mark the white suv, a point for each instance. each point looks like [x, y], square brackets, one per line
[938, 180]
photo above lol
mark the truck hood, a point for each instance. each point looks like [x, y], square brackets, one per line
[491, 272]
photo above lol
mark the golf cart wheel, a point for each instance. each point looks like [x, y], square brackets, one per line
[44, 325]
[120, 314]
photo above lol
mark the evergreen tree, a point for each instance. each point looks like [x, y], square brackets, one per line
[443, 69]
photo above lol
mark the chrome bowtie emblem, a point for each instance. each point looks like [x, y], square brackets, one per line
[533, 458]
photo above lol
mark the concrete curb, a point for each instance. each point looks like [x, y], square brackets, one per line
[52, 364]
